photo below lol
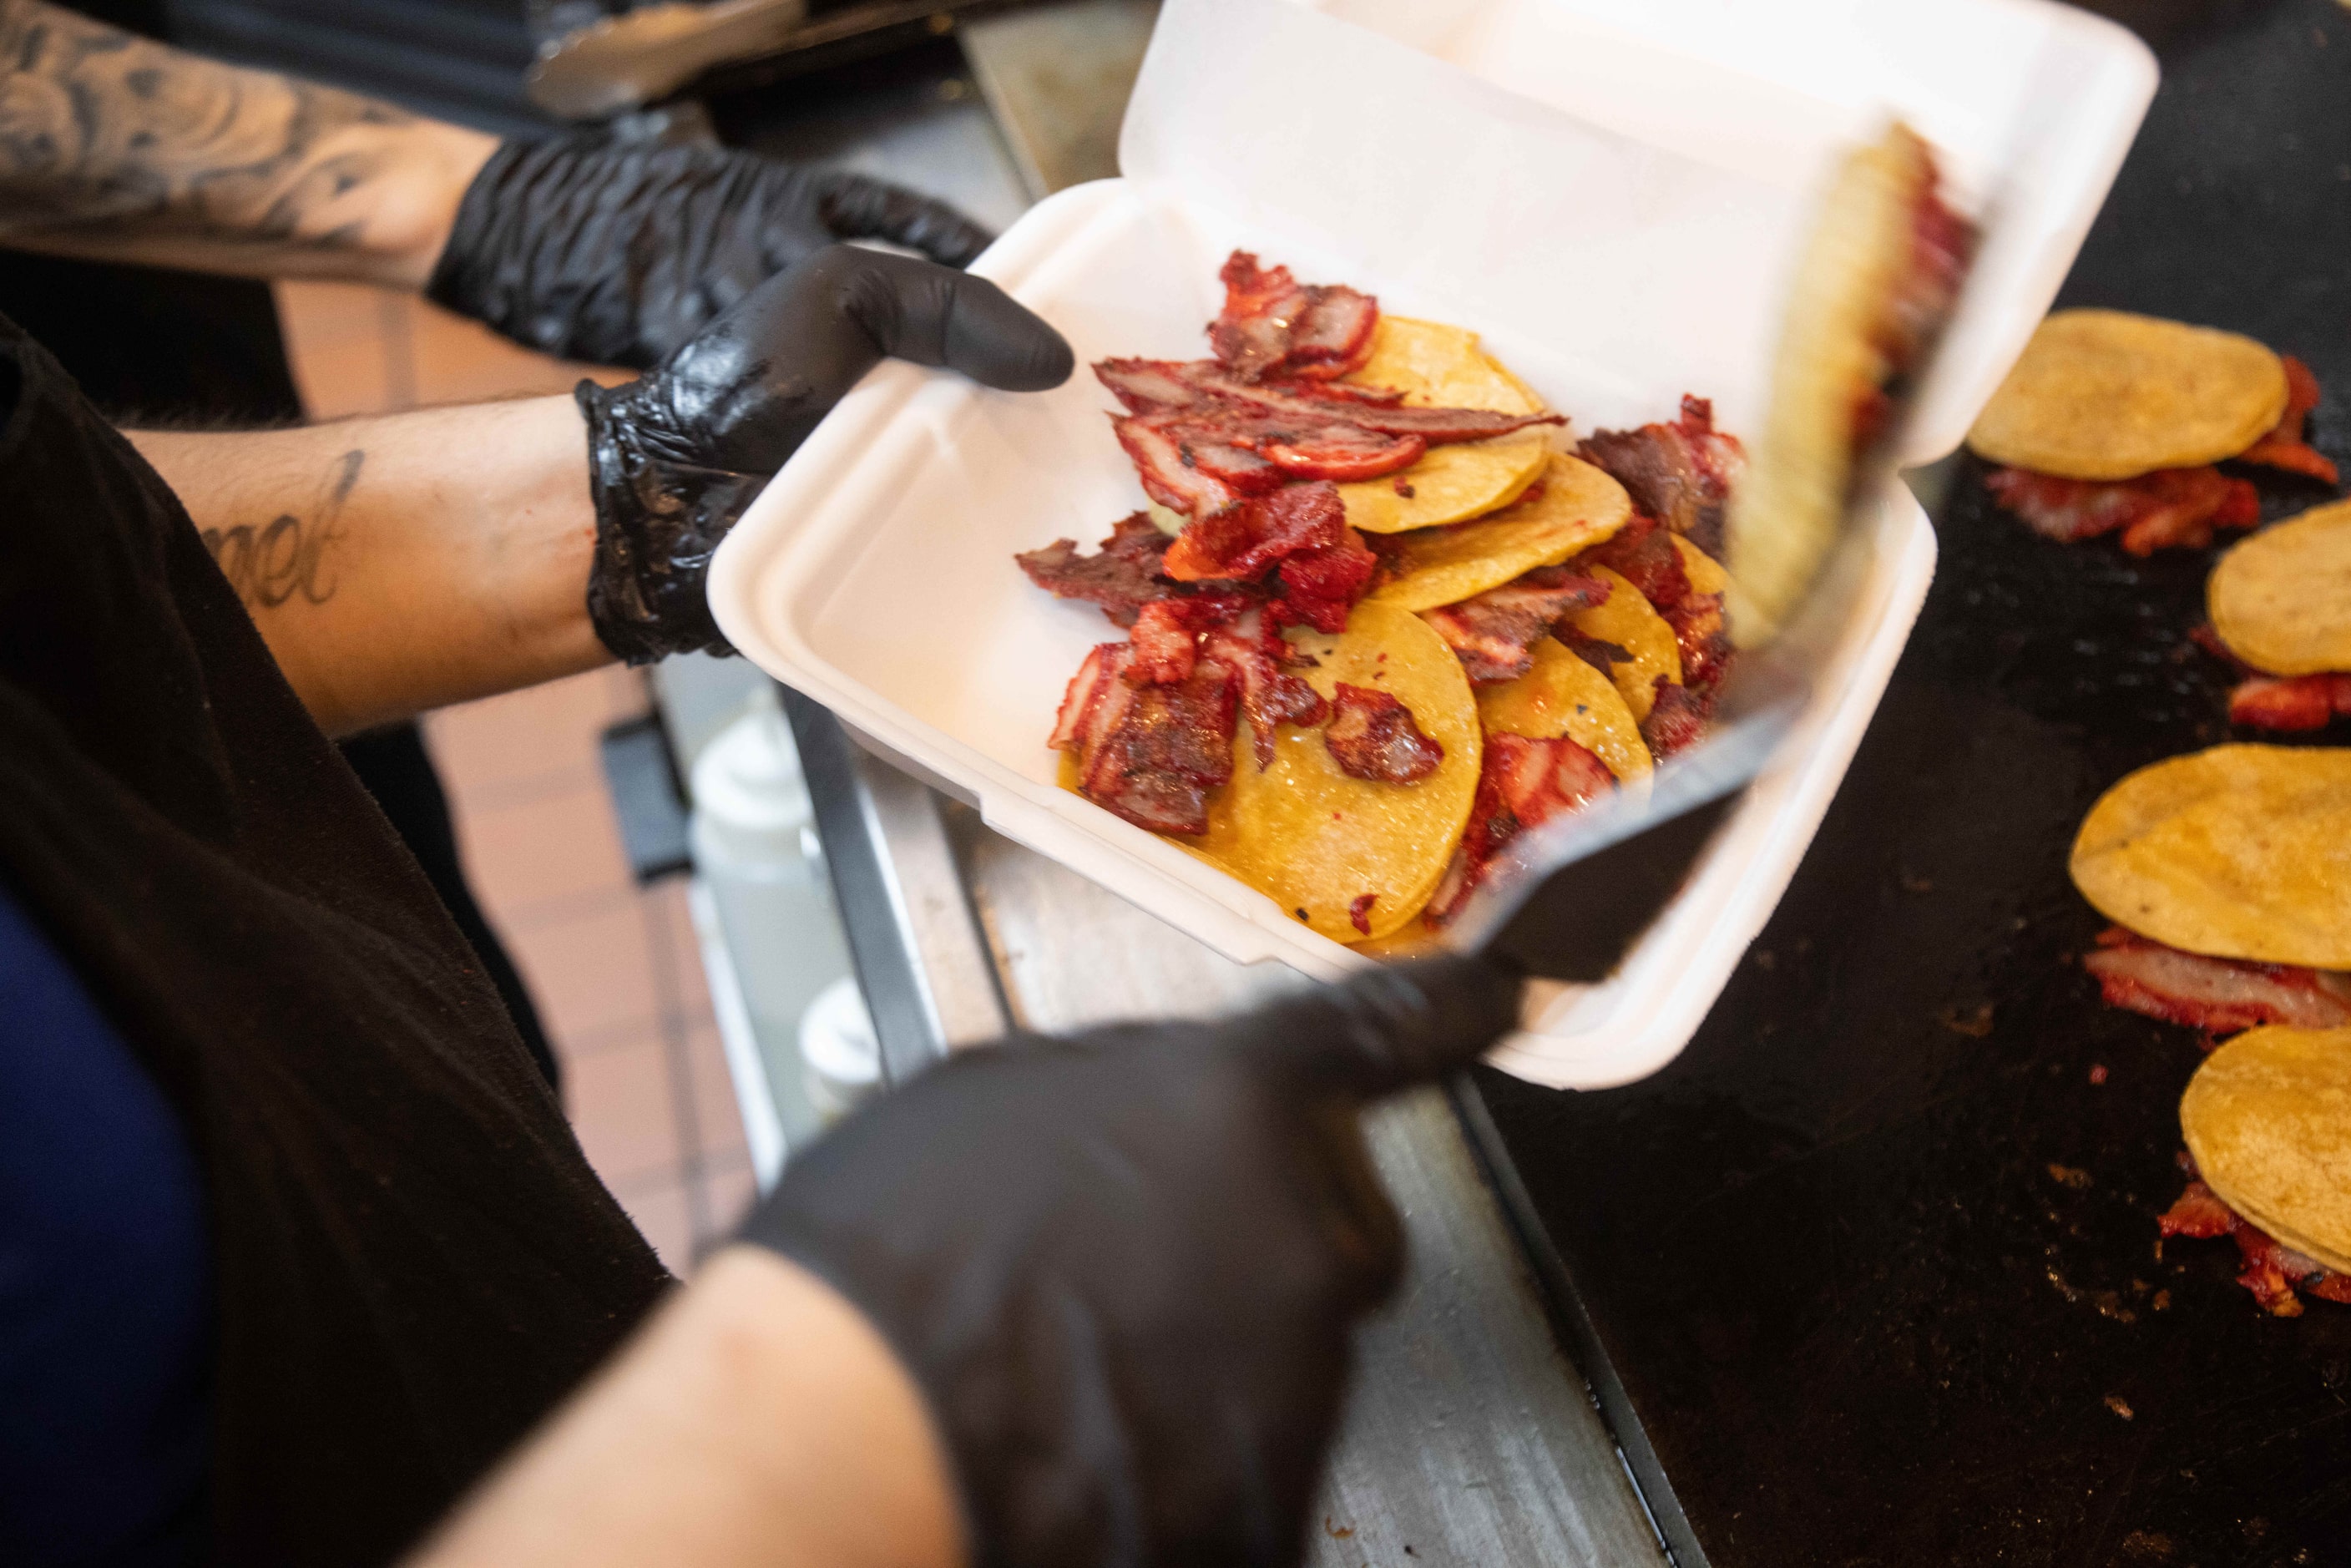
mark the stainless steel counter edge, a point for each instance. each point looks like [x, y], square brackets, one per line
[920, 960]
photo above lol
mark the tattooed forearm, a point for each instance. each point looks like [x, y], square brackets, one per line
[112, 144]
[272, 563]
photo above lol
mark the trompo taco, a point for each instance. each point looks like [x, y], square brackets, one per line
[2280, 609]
[2224, 873]
[2111, 423]
[2267, 1121]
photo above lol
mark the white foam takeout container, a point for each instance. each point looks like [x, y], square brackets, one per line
[1610, 191]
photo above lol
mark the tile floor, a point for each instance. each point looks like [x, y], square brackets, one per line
[613, 967]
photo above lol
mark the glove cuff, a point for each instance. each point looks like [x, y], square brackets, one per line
[658, 522]
[484, 268]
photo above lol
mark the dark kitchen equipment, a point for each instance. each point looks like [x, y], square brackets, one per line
[1869, 1276]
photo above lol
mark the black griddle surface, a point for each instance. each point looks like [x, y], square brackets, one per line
[1869, 1276]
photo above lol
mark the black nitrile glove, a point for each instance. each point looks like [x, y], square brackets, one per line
[674, 456]
[1123, 1266]
[617, 254]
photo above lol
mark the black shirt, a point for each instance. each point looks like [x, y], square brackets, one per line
[414, 1261]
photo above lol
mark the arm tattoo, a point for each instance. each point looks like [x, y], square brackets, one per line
[103, 134]
[270, 563]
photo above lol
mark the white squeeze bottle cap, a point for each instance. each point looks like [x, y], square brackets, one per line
[840, 1058]
[750, 806]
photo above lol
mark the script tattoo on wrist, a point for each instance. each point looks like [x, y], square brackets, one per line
[105, 135]
[272, 563]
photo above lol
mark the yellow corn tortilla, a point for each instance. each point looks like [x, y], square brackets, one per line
[1632, 623]
[1706, 574]
[1448, 485]
[1564, 695]
[2268, 1118]
[1437, 366]
[2240, 852]
[2105, 394]
[2281, 600]
[1580, 507]
[1312, 838]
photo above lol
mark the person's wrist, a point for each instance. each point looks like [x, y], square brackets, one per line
[411, 224]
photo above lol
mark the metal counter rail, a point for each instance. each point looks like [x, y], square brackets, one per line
[1470, 1439]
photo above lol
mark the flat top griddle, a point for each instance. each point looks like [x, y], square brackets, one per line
[1870, 1275]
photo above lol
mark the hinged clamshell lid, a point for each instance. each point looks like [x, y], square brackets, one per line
[1625, 182]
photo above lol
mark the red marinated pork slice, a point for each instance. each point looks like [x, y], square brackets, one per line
[1271, 324]
[1240, 543]
[1642, 552]
[1150, 754]
[2272, 1271]
[1319, 586]
[2171, 506]
[2291, 702]
[1373, 736]
[1204, 389]
[1680, 473]
[2198, 1213]
[1677, 717]
[1269, 695]
[2284, 446]
[1122, 577]
[1491, 633]
[1166, 634]
[2219, 996]
[1521, 784]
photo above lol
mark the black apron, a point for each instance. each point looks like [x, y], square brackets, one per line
[414, 1262]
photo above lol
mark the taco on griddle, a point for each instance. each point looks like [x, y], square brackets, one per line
[2280, 609]
[2223, 873]
[2267, 1122]
[2111, 423]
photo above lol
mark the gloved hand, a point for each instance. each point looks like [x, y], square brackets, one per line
[617, 254]
[1123, 1266]
[674, 456]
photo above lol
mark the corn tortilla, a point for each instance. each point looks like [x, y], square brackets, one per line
[1579, 508]
[1563, 694]
[1312, 837]
[1706, 574]
[1632, 623]
[1437, 366]
[2268, 1119]
[2105, 394]
[2240, 852]
[2281, 599]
